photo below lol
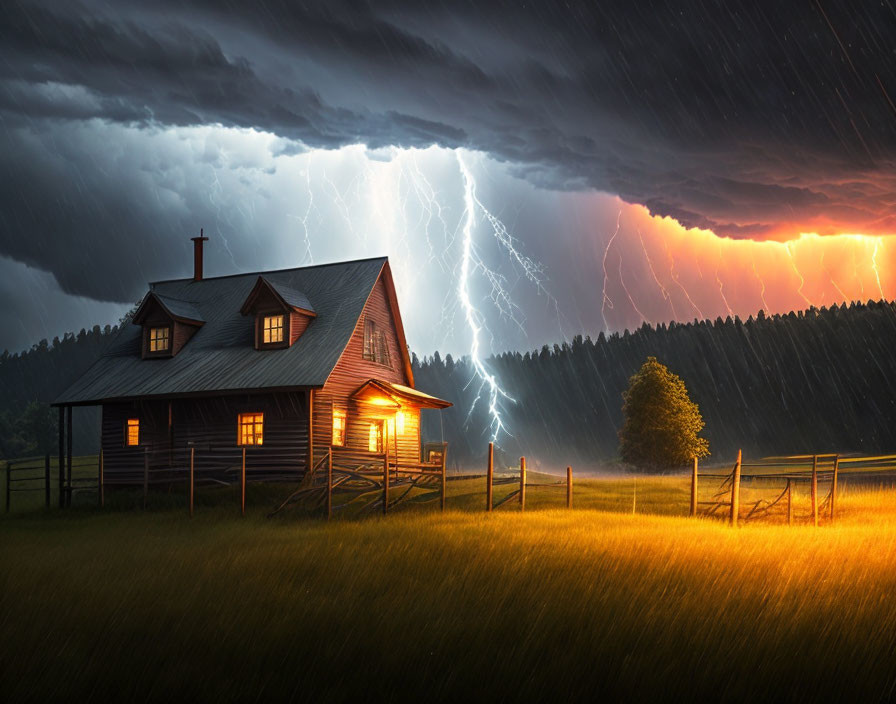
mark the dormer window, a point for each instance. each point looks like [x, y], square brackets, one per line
[159, 339]
[168, 323]
[272, 329]
[282, 314]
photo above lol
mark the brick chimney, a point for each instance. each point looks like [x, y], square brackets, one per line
[197, 256]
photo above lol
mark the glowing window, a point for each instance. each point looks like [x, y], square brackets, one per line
[132, 432]
[375, 439]
[338, 427]
[399, 422]
[272, 329]
[158, 339]
[251, 428]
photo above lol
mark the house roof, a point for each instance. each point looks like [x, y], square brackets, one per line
[288, 296]
[221, 355]
[398, 393]
[175, 307]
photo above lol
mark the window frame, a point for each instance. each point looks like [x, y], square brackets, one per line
[257, 433]
[259, 329]
[127, 432]
[375, 344]
[343, 416]
[380, 435]
[169, 350]
[281, 328]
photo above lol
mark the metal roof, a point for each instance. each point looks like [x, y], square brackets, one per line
[179, 309]
[221, 355]
[291, 297]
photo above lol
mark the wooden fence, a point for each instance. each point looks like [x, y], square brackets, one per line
[35, 474]
[781, 476]
[798, 488]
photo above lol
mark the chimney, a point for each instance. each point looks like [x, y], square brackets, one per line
[197, 256]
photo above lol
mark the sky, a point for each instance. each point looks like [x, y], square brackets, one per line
[571, 169]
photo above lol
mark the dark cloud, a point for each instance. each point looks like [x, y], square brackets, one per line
[711, 113]
[753, 121]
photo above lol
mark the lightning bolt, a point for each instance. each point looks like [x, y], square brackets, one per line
[877, 243]
[606, 301]
[719, 282]
[625, 288]
[469, 262]
[799, 289]
[666, 294]
[674, 277]
[761, 284]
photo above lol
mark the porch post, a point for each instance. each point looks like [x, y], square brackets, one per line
[310, 430]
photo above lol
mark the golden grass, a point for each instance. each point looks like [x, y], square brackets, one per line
[462, 605]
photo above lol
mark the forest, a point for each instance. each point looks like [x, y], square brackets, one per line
[821, 380]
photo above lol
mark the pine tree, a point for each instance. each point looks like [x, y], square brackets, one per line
[661, 424]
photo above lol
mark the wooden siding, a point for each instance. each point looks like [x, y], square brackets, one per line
[298, 323]
[351, 372]
[210, 424]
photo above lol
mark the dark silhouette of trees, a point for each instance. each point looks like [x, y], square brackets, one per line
[821, 380]
[661, 425]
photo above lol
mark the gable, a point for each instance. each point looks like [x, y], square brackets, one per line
[352, 367]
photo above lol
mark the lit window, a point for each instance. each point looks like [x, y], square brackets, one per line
[251, 428]
[375, 441]
[338, 427]
[399, 422]
[158, 339]
[272, 329]
[132, 432]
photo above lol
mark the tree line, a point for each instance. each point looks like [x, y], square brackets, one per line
[823, 380]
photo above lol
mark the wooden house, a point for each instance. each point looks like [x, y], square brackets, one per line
[283, 363]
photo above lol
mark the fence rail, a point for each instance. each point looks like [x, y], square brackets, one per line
[788, 472]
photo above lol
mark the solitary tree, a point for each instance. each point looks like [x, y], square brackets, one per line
[660, 423]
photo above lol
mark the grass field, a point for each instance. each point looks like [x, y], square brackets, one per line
[589, 603]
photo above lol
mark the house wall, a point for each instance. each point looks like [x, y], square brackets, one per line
[350, 373]
[210, 424]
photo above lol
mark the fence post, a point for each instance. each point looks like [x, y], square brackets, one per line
[489, 476]
[385, 478]
[735, 491]
[47, 480]
[192, 479]
[8, 483]
[145, 475]
[100, 488]
[444, 476]
[815, 490]
[329, 482]
[694, 490]
[522, 483]
[68, 452]
[834, 485]
[789, 503]
[60, 466]
[569, 487]
[243, 484]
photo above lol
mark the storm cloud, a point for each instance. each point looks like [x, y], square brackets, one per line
[755, 123]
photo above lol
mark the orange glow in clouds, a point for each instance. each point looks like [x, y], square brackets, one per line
[675, 273]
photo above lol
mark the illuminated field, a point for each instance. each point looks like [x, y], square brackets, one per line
[551, 603]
